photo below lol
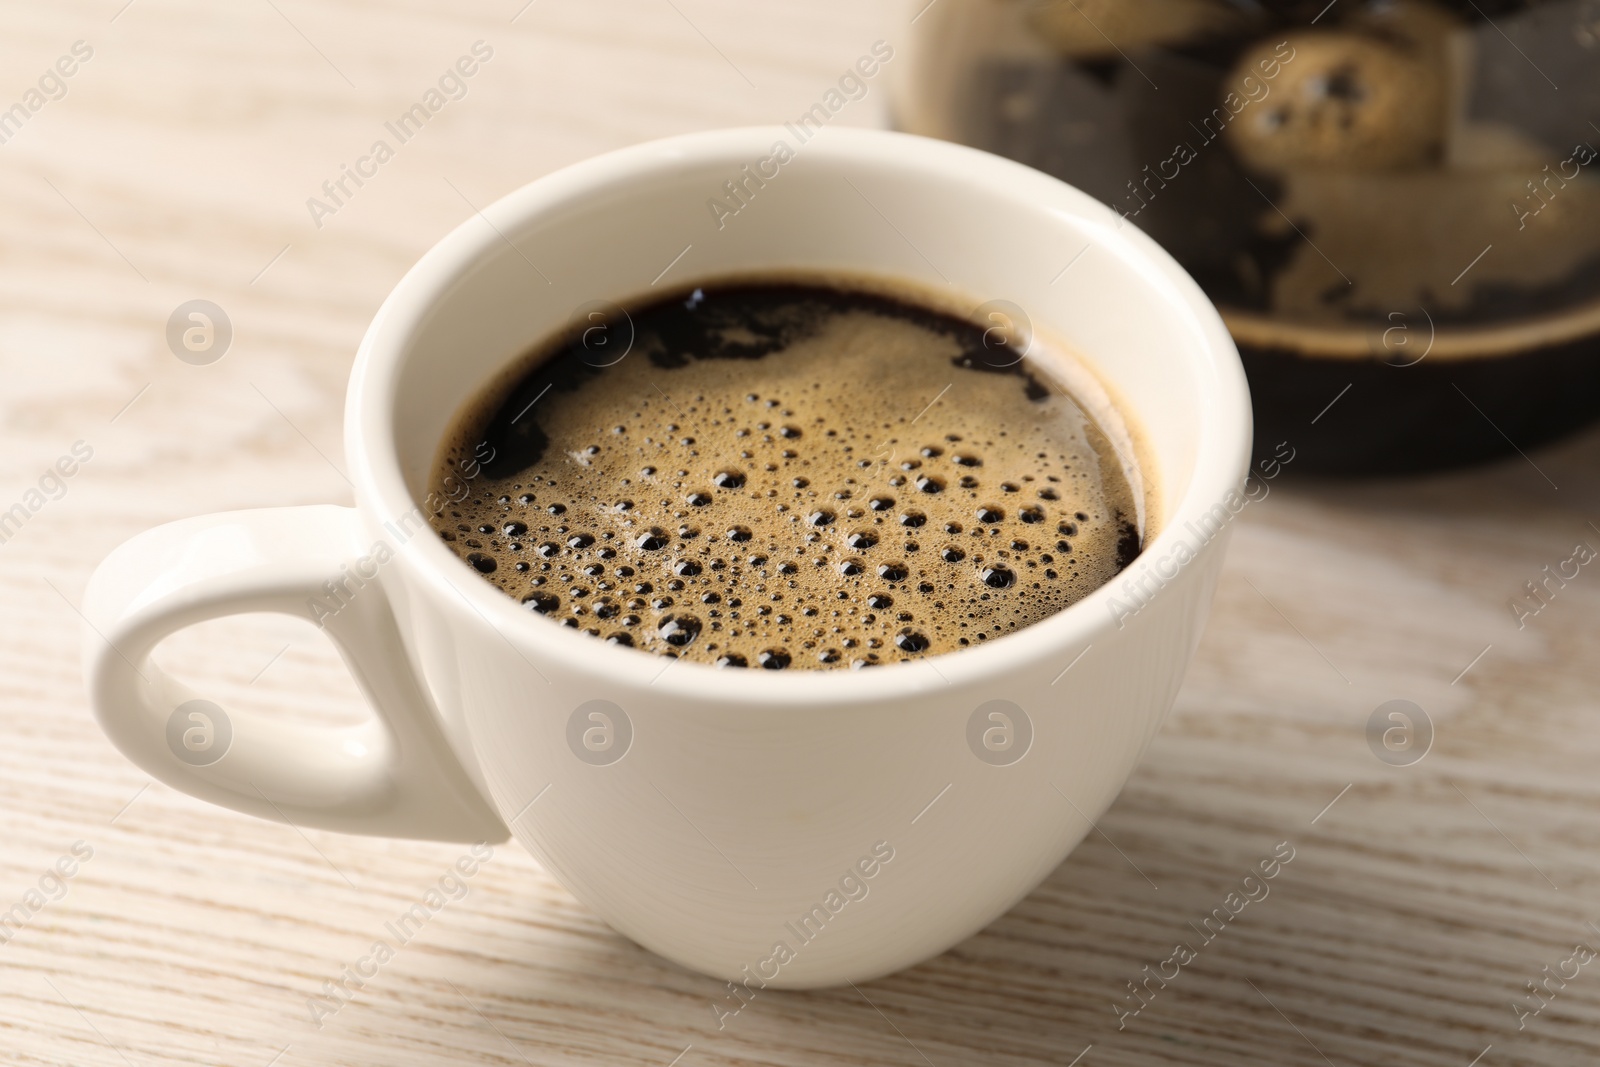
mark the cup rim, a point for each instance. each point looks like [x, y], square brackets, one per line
[1221, 451]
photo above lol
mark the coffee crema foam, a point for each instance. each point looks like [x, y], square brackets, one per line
[787, 475]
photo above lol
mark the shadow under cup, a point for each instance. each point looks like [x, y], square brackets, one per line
[741, 799]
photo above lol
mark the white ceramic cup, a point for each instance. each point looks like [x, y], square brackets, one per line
[794, 828]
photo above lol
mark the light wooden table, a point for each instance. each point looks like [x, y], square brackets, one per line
[178, 165]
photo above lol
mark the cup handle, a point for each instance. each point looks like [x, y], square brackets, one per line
[394, 775]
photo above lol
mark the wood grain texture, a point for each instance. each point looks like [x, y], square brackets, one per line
[178, 165]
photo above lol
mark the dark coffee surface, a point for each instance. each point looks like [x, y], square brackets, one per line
[787, 475]
[1312, 164]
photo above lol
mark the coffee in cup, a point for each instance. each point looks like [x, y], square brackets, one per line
[784, 473]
